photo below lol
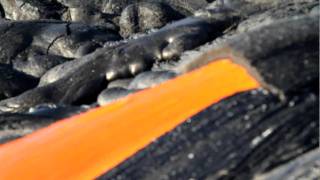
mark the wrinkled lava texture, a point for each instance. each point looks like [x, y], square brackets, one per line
[59, 58]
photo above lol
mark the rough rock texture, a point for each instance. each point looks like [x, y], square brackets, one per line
[122, 88]
[266, 51]
[13, 82]
[246, 134]
[123, 83]
[13, 126]
[141, 17]
[305, 167]
[150, 79]
[32, 9]
[62, 57]
[122, 61]
[111, 94]
[49, 37]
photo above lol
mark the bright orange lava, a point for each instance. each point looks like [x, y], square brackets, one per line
[87, 145]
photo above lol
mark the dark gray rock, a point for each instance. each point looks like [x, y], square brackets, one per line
[141, 17]
[266, 51]
[116, 6]
[33, 47]
[32, 9]
[315, 10]
[61, 71]
[13, 83]
[102, 11]
[16, 125]
[237, 138]
[151, 79]
[248, 134]
[49, 37]
[37, 64]
[112, 94]
[123, 61]
[55, 111]
[273, 14]
[13, 126]
[122, 83]
[2, 13]
[306, 166]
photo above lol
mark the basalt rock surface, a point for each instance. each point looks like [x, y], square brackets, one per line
[59, 58]
[121, 61]
[13, 82]
[238, 138]
[305, 167]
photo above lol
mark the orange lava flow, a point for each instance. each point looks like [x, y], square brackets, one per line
[87, 145]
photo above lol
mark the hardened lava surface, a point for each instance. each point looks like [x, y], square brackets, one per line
[59, 58]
